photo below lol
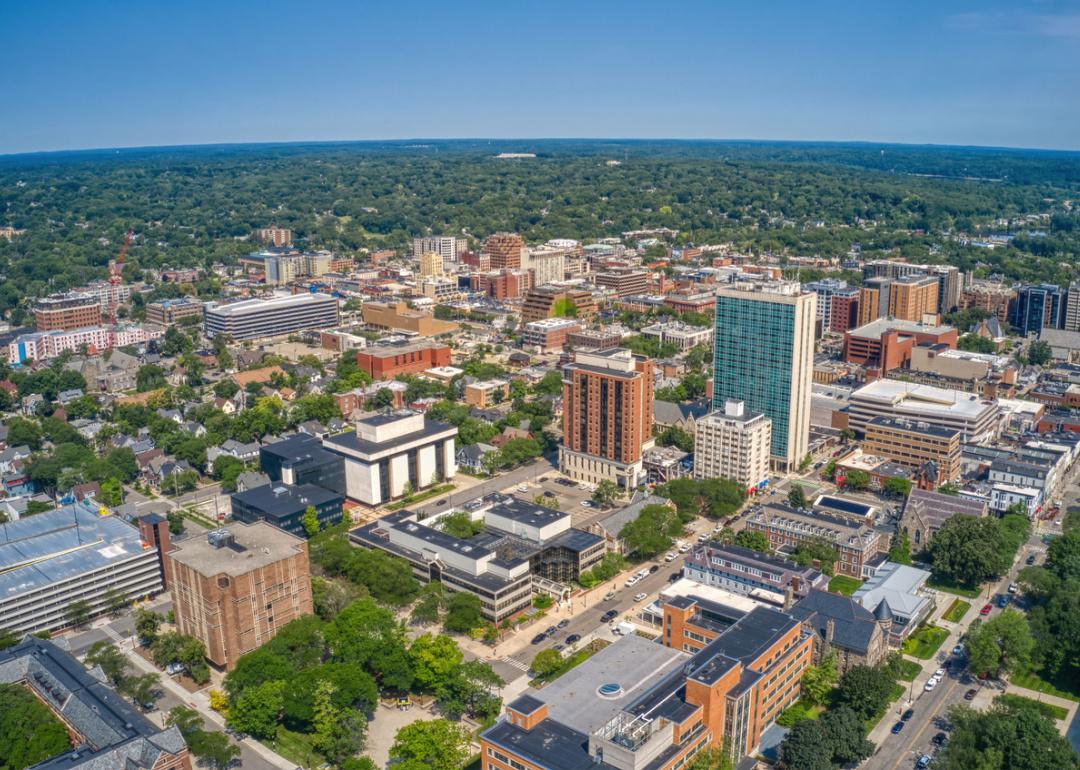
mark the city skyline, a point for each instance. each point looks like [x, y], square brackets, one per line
[114, 75]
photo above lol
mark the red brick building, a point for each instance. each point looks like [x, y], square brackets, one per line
[502, 284]
[387, 361]
[505, 250]
[886, 344]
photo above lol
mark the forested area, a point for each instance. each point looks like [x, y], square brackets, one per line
[193, 206]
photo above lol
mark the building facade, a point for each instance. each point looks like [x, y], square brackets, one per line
[237, 587]
[255, 318]
[913, 444]
[856, 543]
[763, 355]
[385, 362]
[504, 250]
[733, 444]
[1037, 307]
[607, 416]
[285, 505]
[41, 346]
[548, 334]
[166, 312]
[398, 316]
[551, 301]
[73, 310]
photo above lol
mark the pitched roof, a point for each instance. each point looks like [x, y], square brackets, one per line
[853, 624]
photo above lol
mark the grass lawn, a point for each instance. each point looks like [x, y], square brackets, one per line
[295, 747]
[420, 497]
[924, 642]
[570, 662]
[956, 611]
[896, 691]
[1049, 709]
[1037, 683]
[909, 669]
[952, 588]
[842, 584]
[797, 712]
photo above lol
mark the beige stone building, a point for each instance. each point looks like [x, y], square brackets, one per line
[733, 444]
[237, 587]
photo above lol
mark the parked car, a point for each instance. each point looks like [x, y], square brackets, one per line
[986, 609]
[559, 647]
[670, 556]
[907, 715]
[674, 576]
[573, 639]
[654, 568]
[564, 623]
[1003, 600]
[924, 761]
[897, 728]
[970, 694]
[551, 631]
[174, 668]
[609, 596]
[1013, 588]
[939, 673]
[441, 502]
[1030, 560]
[631, 581]
[609, 616]
[539, 639]
[931, 683]
[639, 597]
[523, 487]
[939, 739]
[586, 504]
[958, 649]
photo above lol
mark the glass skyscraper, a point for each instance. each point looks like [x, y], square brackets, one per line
[764, 356]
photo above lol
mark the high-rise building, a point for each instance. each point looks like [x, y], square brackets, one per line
[607, 416]
[447, 246]
[764, 356]
[946, 276]
[274, 236]
[252, 318]
[837, 304]
[73, 310]
[995, 298]
[733, 444]
[1038, 307]
[909, 298]
[1072, 308]
[547, 264]
[431, 264]
[237, 587]
[505, 250]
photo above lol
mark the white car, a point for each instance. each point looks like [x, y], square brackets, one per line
[523, 487]
[939, 674]
[643, 573]
[684, 548]
[639, 597]
[931, 683]
[670, 556]
[631, 581]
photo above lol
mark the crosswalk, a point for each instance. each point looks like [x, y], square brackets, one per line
[523, 667]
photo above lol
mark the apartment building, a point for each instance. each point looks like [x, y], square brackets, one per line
[167, 312]
[1038, 307]
[237, 587]
[399, 317]
[431, 264]
[507, 283]
[856, 543]
[763, 355]
[549, 334]
[448, 246]
[720, 678]
[837, 304]
[976, 418]
[273, 317]
[73, 310]
[996, 299]
[913, 444]
[274, 236]
[607, 416]
[546, 263]
[682, 336]
[624, 282]
[594, 339]
[76, 552]
[733, 444]
[553, 301]
[482, 394]
[41, 346]
[389, 453]
[948, 278]
[385, 362]
[750, 573]
[909, 298]
[504, 250]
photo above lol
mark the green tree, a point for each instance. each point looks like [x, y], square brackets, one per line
[547, 662]
[213, 749]
[176, 522]
[1010, 735]
[227, 469]
[23, 432]
[78, 613]
[430, 604]
[257, 709]
[433, 659]
[311, 521]
[818, 681]
[29, 733]
[437, 744]
[606, 493]
[462, 613]
[1002, 644]
[807, 746]
[857, 480]
[797, 496]
[113, 663]
[897, 487]
[147, 623]
[900, 548]
[338, 733]
[142, 689]
[149, 377]
[652, 531]
[112, 492]
[864, 689]
[1039, 353]
[967, 550]
[472, 688]
[754, 540]
[115, 601]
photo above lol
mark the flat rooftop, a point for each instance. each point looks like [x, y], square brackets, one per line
[277, 499]
[260, 544]
[914, 426]
[247, 306]
[875, 329]
[925, 399]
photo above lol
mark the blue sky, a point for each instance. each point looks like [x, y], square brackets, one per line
[116, 74]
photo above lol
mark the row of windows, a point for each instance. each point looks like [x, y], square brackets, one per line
[499, 756]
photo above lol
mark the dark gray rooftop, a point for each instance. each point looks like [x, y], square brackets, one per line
[853, 625]
[277, 500]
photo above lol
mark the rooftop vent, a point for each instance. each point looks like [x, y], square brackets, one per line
[220, 538]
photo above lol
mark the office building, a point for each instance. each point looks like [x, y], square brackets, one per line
[548, 334]
[301, 460]
[682, 336]
[431, 264]
[750, 573]
[887, 343]
[77, 552]
[73, 310]
[389, 453]
[504, 250]
[1038, 307]
[691, 301]
[284, 506]
[624, 282]
[855, 542]
[385, 362]
[274, 236]
[554, 301]
[546, 263]
[837, 304]
[287, 265]
[104, 729]
[501, 284]
[273, 317]
[763, 355]
[166, 312]
[976, 418]
[41, 346]
[594, 339]
[399, 317]
[607, 417]
[733, 444]
[440, 289]
[720, 678]
[235, 588]
[447, 246]
[913, 444]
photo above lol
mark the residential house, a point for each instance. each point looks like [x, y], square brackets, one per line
[12, 457]
[67, 396]
[471, 457]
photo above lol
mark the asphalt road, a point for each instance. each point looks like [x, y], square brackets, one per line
[526, 473]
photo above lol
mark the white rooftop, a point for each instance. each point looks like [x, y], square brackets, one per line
[922, 399]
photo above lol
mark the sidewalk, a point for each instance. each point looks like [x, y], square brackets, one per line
[1069, 705]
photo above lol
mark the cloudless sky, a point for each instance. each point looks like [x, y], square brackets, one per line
[151, 72]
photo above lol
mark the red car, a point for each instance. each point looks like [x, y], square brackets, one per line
[986, 609]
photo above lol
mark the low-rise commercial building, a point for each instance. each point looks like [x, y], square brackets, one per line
[398, 316]
[787, 528]
[913, 444]
[976, 418]
[553, 301]
[758, 575]
[594, 339]
[75, 553]
[299, 460]
[390, 453]
[549, 334]
[285, 505]
[624, 282]
[678, 334]
[887, 343]
[276, 316]
[237, 587]
[733, 444]
[385, 362]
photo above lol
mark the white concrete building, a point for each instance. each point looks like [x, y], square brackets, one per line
[253, 318]
[733, 444]
[389, 452]
[978, 419]
[678, 334]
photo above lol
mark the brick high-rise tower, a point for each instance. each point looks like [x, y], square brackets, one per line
[505, 250]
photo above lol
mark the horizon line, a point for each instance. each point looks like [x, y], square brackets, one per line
[410, 140]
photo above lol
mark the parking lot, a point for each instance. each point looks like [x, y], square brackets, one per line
[569, 494]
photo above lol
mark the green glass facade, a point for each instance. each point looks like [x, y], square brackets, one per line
[752, 360]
